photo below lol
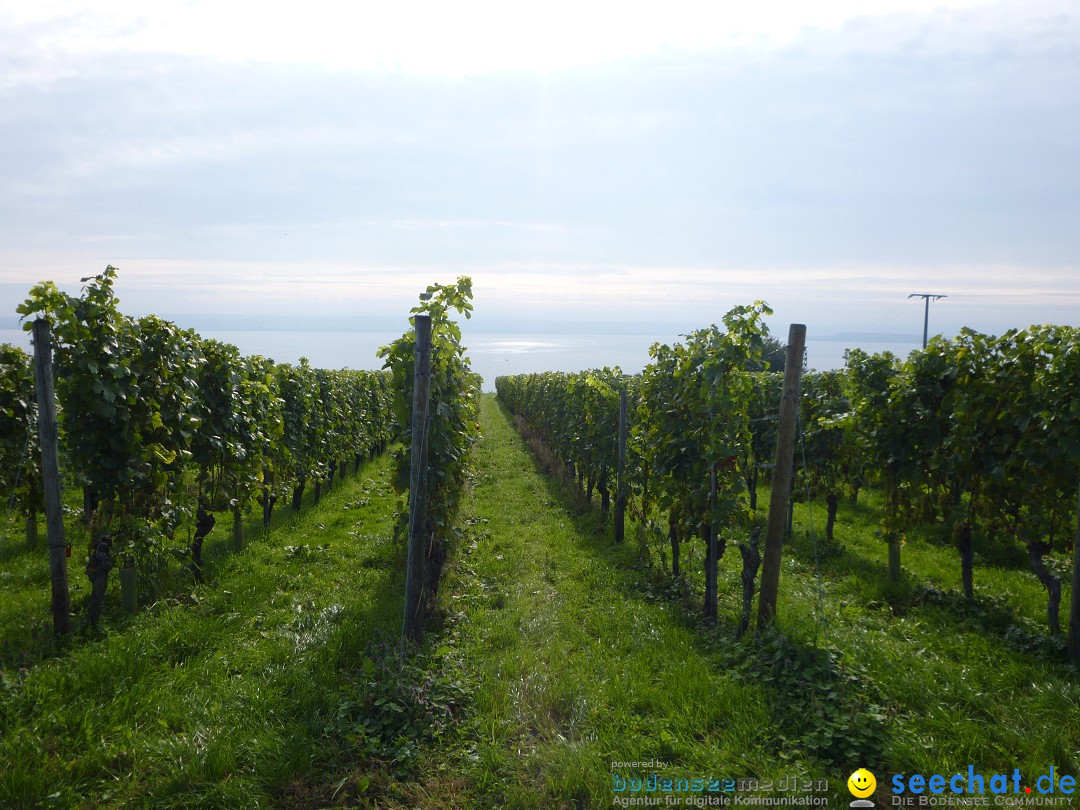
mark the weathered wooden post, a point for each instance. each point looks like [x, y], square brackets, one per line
[129, 587]
[50, 476]
[712, 552]
[781, 483]
[267, 498]
[620, 472]
[412, 627]
[31, 531]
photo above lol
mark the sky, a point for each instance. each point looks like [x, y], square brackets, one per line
[595, 167]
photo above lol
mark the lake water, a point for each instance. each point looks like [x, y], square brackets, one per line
[492, 354]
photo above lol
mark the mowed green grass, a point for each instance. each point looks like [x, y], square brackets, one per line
[25, 592]
[573, 669]
[584, 656]
[967, 684]
[553, 655]
[225, 694]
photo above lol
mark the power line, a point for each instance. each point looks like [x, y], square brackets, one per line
[1018, 295]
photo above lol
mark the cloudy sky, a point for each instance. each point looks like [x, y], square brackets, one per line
[644, 165]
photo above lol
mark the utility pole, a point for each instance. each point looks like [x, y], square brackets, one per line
[926, 314]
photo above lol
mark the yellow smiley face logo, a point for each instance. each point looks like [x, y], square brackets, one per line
[861, 783]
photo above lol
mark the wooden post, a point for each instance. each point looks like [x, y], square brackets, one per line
[129, 588]
[712, 552]
[1074, 610]
[412, 626]
[267, 503]
[50, 476]
[781, 483]
[620, 473]
[894, 557]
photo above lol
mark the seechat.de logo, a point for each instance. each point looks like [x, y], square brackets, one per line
[861, 784]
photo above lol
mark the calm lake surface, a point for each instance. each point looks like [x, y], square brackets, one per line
[492, 354]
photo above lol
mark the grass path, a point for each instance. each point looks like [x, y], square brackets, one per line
[575, 669]
[582, 657]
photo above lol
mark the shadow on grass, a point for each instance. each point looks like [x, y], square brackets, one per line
[991, 616]
[996, 550]
[32, 642]
[306, 670]
[14, 547]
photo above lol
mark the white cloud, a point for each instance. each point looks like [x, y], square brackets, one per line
[490, 35]
[828, 157]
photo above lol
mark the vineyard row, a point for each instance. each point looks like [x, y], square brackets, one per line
[977, 437]
[158, 425]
